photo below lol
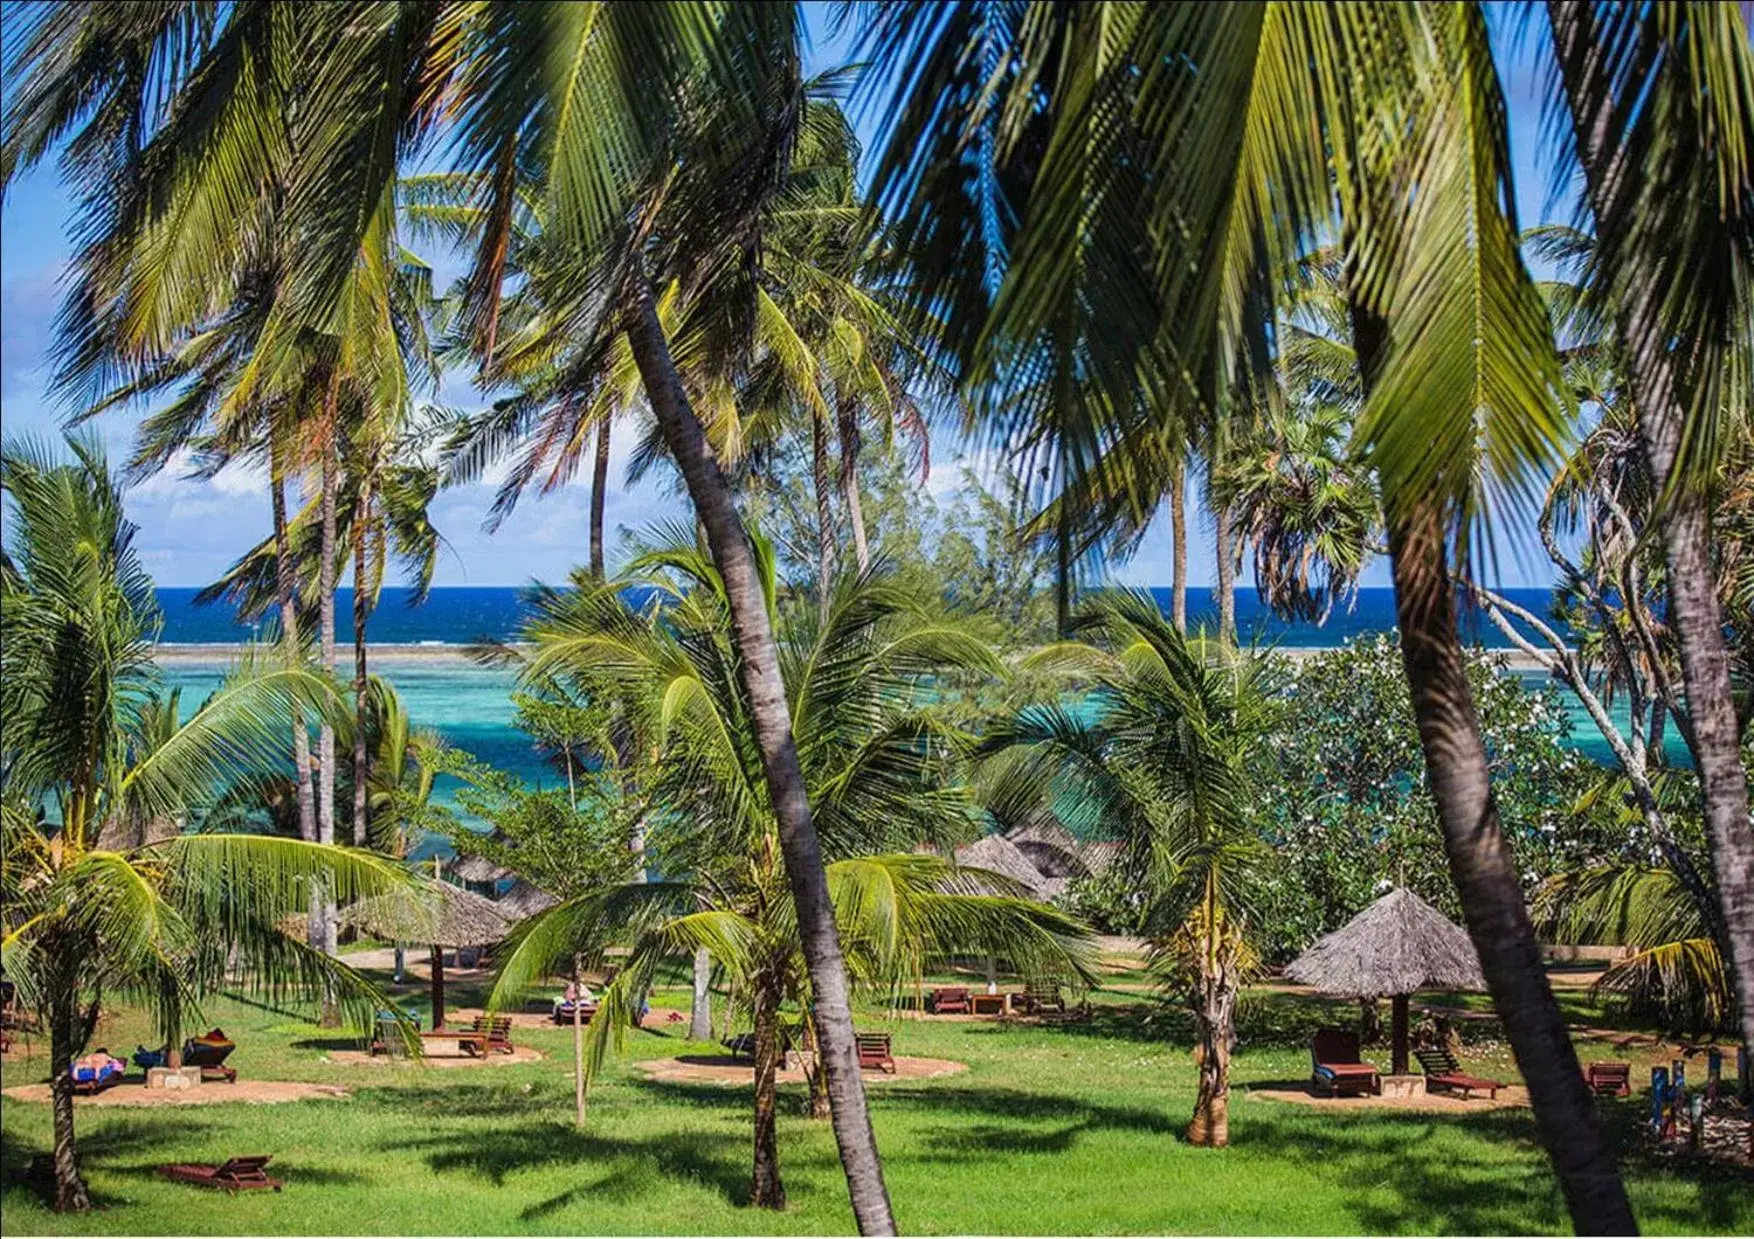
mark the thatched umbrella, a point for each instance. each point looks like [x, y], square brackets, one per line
[524, 899]
[435, 913]
[1397, 945]
[477, 869]
[999, 855]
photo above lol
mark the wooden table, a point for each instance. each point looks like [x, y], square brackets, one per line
[988, 1004]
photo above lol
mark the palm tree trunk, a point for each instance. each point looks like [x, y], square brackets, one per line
[1487, 882]
[760, 672]
[578, 1044]
[1062, 577]
[1222, 546]
[361, 613]
[766, 1191]
[287, 581]
[326, 613]
[1214, 1021]
[824, 513]
[330, 1016]
[700, 1011]
[1694, 608]
[70, 1191]
[599, 494]
[847, 427]
[818, 1083]
[1178, 537]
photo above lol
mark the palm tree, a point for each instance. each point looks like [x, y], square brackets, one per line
[876, 761]
[1167, 757]
[605, 97]
[1236, 138]
[1660, 105]
[148, 911]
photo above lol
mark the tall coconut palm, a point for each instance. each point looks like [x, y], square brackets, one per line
[1166, 759]
[1658, 107]
[605, 97]
[877, 762]
[156, 914]
[1236, 137]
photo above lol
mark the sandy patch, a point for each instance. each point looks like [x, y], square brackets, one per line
[724, 1069]
[439, 1053]
[135, 1093]
[1512, 1096]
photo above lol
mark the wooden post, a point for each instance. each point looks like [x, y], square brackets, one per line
[438, 987]
[1399, 1055]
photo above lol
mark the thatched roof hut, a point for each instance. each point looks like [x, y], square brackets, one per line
[999, 855]
[524, 899]
[437, 914]
[1398, 945]
[1050, 848]
[434, 913]
[477, 869]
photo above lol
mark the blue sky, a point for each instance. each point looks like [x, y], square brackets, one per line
[190, 531]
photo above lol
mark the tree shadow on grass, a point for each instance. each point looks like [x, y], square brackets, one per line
[23, 1163]
[1435, 1185]
[716, 1162]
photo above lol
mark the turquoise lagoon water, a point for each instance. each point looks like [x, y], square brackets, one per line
[471, 705]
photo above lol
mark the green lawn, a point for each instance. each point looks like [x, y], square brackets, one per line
[1054, 1129]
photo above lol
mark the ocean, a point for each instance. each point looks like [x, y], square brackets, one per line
[460, 614]
[471, 705]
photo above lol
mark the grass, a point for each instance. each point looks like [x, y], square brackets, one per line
[1063, 1129]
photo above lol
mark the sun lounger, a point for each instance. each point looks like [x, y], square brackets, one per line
[1443, 1074]
[240, 1174]
[1609, 1079]
[874, 1052]
[209, 1052]
[1336, 1070]
[563, 1012]
[948, 1000]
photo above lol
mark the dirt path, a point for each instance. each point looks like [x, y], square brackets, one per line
[135, 1093]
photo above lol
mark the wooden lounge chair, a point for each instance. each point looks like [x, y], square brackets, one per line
[948, 999]
[240, 1174]
[1443, 1074]
[1609, 1079]
[874, 1052]
[209, 1053]
[563, 1012]
[1336, 1070]
[1038, 996]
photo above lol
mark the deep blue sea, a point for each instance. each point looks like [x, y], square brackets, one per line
[460, 614]
[471, 706]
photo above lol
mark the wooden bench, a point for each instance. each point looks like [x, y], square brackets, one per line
[989, 1004]
[1609, 1079]
[874, 1052]
[486, 1035]
[949, 999]
[1038, 996]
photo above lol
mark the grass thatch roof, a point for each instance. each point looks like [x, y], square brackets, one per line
[999, 855]
[524, 899]
[1398, 945]
[434, 914]
[476, 869]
